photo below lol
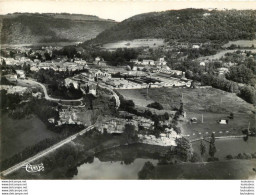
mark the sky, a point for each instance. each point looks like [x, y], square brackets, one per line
[117, 10]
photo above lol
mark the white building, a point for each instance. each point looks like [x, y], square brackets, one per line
[92, 89]
[222, 71]
[148, 62]
[202, 64]
[161, 62]
[11, 77]
[195, 46]
[21, 74]
[99, 61]
[34, 69]
[68, 81]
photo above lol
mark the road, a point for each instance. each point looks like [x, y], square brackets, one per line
[47, 97]
[45, 152]
[113, 93]
[102, 86]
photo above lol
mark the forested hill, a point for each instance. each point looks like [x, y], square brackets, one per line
[194, 25]
[23, 28]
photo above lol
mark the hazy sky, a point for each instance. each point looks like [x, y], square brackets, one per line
[114, 9]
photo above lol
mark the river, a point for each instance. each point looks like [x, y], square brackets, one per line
[112, 168]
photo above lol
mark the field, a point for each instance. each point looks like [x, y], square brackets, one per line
[211, 104]
[241, 43]
[135, 43]
[16, 135]
[222, 54]
[226, 147]
[139, 97]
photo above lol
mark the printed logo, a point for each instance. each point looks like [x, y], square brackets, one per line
[34, 168]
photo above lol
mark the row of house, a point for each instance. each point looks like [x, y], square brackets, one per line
[148, 62]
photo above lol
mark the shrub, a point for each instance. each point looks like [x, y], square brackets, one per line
[212, 159]
[155, 105]
[195, 157]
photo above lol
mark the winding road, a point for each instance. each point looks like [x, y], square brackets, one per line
[47, 97]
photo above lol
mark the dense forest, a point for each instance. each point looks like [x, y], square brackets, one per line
[23, 28]
[193, 25]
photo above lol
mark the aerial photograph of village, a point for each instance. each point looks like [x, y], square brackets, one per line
[159, 95]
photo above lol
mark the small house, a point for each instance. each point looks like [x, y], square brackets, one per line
[148, 62]
[193, 120]
[92, 89]
[21, 74]
[223, 121]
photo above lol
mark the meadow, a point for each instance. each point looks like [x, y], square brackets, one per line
[207, 105]
[135, 43]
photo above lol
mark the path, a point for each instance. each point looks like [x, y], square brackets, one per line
[45, 152]
[113, 93]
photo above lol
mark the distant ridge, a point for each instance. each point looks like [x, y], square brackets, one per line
[32, 28]
[193, 25]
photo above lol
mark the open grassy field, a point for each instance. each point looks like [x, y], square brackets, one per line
[16, 135]
[211, 103]
[139, 97]
[241, 43]
[222, 54]
[226, 147]
[135, 43]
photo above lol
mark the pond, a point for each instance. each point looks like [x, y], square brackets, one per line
[111, 170]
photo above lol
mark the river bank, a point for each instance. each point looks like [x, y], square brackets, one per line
[109, 157]
[228, 169]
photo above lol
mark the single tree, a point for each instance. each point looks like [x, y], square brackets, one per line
[212, 148]
[202, 148]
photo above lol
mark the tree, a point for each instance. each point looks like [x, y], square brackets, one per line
[195, 157]
[47, 56]
[231, 115]
[155, 105]
[166, 116]
[130, 133]
[183, 149]
[202, 148]
[248, 94]
[147, 171]
[212, 148]
[3, 62]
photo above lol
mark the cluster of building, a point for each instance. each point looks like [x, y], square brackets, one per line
[117, 125]
[66, 116]
[14, 89]
[75, 65]
[60, 64]
[149, 62]
[165, 139]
